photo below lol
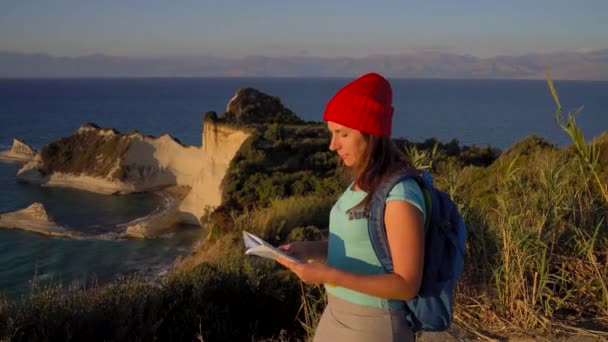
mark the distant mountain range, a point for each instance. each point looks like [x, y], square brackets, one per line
[587, 65]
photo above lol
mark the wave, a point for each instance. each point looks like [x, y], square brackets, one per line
[163, 206]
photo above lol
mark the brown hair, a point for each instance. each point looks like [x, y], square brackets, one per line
[380, 160]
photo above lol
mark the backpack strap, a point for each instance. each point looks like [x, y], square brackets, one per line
[376, 229]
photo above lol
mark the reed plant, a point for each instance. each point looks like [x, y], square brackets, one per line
[538, 246]
[314, 301]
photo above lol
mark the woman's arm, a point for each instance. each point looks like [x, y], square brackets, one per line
[405, 231]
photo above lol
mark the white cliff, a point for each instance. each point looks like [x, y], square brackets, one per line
[220, 144]
[147, 164]
[162, 161]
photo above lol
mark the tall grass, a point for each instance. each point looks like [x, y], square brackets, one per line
[423, 159]
[541, 236]
[314, 301]
[275, 223]
[283, 215]
[532, 203]
[238, 300]
[588, 160]
[587, 154]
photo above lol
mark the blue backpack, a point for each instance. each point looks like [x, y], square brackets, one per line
[445, 235]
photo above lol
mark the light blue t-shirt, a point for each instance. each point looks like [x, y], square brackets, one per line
[349, 246]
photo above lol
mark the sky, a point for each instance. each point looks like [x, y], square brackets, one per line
[340, 28]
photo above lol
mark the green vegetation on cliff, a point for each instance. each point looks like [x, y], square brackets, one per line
[281, 161]
[87, 153]
[252, 106]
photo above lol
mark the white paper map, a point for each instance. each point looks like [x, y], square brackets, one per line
[259, 247]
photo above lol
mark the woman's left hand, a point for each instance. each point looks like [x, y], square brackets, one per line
[311, 272]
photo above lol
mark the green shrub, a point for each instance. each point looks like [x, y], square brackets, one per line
[85, 152]
[276, 222]
[236, 300]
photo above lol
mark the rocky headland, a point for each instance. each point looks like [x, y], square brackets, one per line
[103, 160]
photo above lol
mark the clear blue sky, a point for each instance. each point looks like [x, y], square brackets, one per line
[310, 27]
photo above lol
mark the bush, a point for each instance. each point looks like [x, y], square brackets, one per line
[276, 222]
[85, 152]
[270, 166]
[235, 300]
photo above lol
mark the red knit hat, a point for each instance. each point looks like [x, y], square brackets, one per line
[366, 104]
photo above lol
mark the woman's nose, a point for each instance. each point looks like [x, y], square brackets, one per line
[332, 144]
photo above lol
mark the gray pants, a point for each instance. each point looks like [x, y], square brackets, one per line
[346, 321]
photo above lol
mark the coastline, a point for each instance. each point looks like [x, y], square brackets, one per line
[150, 266]
[160, 221]
[88, 183]
[43, 228]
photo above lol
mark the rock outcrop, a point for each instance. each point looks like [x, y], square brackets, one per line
[35, 219]
[20, 152]
[105, 161]
[249, 106]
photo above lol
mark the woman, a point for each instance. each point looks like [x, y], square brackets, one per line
[364, 302]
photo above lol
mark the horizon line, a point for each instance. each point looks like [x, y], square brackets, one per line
[195, 55]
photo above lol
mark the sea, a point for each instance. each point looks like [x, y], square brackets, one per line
[39, 111]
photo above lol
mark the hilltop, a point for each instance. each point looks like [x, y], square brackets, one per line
[580, 65]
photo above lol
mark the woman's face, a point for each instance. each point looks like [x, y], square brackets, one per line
[348, 143]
